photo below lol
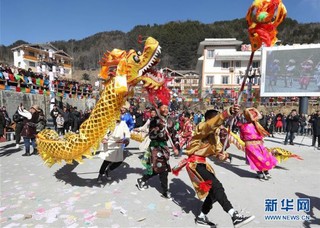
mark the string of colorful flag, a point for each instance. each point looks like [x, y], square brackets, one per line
[46, 92]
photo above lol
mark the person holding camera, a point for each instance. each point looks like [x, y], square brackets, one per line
[292, 126]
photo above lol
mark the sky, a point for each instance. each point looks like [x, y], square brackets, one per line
[41, 21]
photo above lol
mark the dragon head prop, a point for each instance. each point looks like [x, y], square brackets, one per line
[135, 66]
[263, 18]
[120, 70]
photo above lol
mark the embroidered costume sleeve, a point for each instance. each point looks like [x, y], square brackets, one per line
[205, 140]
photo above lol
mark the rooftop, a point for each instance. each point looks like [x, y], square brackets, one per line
[218, 42]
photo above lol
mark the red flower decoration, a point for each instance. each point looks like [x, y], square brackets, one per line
[205, 185]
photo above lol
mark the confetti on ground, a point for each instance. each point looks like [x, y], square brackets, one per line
[2, 209]
[17, 217]
[152, 206]
[141, 219]
[27, 217]
[108, 205]
[176, 213]
[70, 220]
[123, 211]
[104, 213]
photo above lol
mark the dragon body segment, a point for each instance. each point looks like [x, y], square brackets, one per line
[73, 146]
[133, 67]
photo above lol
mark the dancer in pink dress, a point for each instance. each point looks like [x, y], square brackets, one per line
[252, 133]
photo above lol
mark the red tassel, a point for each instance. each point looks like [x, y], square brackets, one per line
[205, 185]
[175, 172]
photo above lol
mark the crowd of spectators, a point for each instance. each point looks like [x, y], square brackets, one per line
[13, 76]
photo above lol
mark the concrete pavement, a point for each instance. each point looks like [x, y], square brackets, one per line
[33, 195]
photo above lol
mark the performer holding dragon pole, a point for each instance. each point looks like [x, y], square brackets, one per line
[206, 142]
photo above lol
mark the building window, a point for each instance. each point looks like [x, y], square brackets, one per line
[209, 80]
[238, 79]
[195, 81]
[19, 52]
[210, 54]
[32, 64]
[19, 64]
[225, 79]
[256, 80]
[225, 65]
[255, 64]
[31, 53]
[238, 64]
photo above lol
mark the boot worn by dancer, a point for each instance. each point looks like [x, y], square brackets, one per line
[141, 185]
[240, 220]
[267, 174]
[202, 220]
[262, 176]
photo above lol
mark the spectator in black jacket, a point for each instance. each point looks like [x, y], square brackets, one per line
[315, 121]
[54, 114]
[66, 117]
[76, 119]
[271, 119]
[42, 121]
[292, 126]
[263, 120]
[139, 118]
[6, 116]
[18, 119]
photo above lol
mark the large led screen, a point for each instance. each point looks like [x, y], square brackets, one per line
[290, 71]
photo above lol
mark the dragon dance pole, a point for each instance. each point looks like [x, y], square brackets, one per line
[263, 18]
[245, 77]
[239, 96]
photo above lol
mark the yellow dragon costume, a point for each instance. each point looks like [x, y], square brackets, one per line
[120, 71]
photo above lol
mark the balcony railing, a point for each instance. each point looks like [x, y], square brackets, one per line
[29, 57]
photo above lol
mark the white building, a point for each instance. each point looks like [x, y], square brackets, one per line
[222, 65]
[43, 58]
[185, 84]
